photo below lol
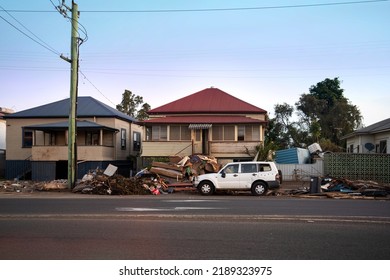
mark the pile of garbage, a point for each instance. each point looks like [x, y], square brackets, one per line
[31, 186]
[107, 182]
[355, 187]
[184, 168]
[344, 188]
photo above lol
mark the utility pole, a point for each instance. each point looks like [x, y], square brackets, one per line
[74, 71]
[72, 125]
[72, 130]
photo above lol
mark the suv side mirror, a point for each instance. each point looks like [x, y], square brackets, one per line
[223, 174]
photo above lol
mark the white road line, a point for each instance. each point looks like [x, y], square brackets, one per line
[132, 209]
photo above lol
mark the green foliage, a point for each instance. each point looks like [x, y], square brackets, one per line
[142, 113]
[266, 151]
[324, 115]
[329, 146]
[130, 103]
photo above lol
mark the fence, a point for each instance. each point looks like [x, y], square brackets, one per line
[374, 167]
[301, 172]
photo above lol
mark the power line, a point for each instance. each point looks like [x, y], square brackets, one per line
[36, 41]
[85, 77]
[216, 9]
[32, 33]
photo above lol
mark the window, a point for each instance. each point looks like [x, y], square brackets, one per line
[179, 132]
[136, 141]
[248, 133]
[350, 149]
[123, 139]
[382, 147]
[223, 132]
[92, 138]
[27, 138]
[264, 167]
[231, 169]
[52, 140]
[157, 133]
[249, 168]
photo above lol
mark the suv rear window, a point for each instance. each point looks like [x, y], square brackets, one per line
[264, 167]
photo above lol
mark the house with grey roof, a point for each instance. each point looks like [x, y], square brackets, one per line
[374, 138]
[37, 140]
[210, 122]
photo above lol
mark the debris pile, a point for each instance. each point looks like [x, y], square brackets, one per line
[356, 187]
[97, 182]
[31, 186]
[183, 168]
[344, 188]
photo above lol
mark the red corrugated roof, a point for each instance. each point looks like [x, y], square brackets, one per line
[204, 120]
[209, 100]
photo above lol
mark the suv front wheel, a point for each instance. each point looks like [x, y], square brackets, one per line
[259, 188]
[206, 188]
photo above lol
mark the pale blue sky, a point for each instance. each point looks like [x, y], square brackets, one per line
[263, 56]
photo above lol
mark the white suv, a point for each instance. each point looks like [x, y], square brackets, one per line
[255, 176]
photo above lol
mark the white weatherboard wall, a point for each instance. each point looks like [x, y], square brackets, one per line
[2, 135]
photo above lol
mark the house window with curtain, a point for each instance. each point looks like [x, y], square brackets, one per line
[27, 138]
[179, 133]
[248, 133]
[136, 141]
[123, 139]
[382, 147]
[223, 132]
[156, 133]
[92, 138]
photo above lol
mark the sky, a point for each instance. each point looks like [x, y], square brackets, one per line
[263, 52]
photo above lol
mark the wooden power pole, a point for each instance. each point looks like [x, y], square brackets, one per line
[72, 129]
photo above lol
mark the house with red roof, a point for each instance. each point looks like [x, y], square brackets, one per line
[210, 122]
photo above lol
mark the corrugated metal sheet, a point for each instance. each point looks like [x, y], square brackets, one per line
[292, 156]
[209, 100]
[16, 168]
[301, 172]
[200, 126]
[43, 170]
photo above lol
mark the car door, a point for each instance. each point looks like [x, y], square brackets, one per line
[248, 174]
[228, 177]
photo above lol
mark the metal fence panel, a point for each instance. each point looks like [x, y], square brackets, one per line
[301, 172]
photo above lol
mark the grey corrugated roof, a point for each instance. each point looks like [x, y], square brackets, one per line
[371, 129]
[86, 107]
[65, 125]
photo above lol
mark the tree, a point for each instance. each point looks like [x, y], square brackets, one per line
[142, 113]
[323, 116]
[130, 103]
[326, 113]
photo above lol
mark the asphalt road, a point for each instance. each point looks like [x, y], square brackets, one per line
[192, 227]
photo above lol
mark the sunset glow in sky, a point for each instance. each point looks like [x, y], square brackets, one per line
[263, 52]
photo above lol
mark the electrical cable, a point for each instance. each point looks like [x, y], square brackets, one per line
[32, 33]
[36, 41]
[85, 77]
[218, 9]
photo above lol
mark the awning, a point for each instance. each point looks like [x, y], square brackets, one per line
[62, 126]
[200, 126]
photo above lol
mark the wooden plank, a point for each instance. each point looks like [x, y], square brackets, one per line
[166, 166]
[166, 172]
